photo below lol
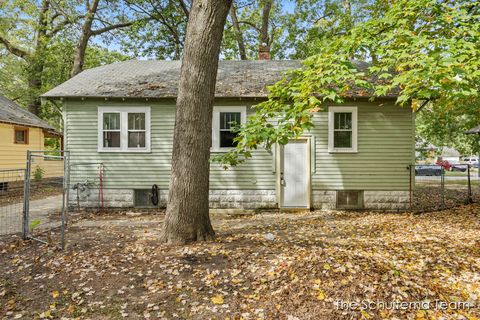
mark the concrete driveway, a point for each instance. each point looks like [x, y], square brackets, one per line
[11, 215]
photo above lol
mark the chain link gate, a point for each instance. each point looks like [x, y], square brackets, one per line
[11, 201]
[45, 207]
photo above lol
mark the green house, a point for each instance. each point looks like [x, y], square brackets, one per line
[121, 117]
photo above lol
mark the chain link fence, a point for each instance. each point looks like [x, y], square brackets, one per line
[46, 191]
[35, 201]
[11, 201]
[434, 187]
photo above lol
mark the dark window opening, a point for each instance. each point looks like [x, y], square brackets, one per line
[342, 130]
[349, 199]
[3, 186]
[21, 136]
[228, 122]
[111, 139]
[136, 130]
[111, 130]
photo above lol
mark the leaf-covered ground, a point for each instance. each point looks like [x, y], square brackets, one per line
[428, 197]
[271, 265]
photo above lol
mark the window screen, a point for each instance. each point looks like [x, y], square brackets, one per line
[228, 121]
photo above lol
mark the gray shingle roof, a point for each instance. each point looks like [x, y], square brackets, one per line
[159, 79]
[12, 113]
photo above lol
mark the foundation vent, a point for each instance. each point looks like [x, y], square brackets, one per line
[349, 199]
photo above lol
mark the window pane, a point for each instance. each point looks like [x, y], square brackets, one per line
[136, 139]
[226, 139]
[342, 139]
[111, 121]
[229, 119]
[111, 139]
[343, 120]
[19, 136]
[136, 121]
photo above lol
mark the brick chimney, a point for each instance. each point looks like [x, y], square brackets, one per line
[264, 52]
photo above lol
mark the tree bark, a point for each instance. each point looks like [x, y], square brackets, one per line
[87, 33]
[36, 60]
[267, 7]
[79, 55]
[187, 217]
[238, 33]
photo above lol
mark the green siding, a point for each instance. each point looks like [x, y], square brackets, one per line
[385, 149]
[141, 170]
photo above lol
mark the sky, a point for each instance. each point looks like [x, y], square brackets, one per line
[288, 5]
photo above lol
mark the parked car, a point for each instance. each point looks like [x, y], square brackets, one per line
[471, 160]
[432, 170]
[459, 167]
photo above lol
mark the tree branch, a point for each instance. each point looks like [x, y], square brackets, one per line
[112, 27]
[422, 106]
[14, 49]
[59, 27]
[184, 8]
[250, 24]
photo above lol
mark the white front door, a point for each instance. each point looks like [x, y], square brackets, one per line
[295, 174]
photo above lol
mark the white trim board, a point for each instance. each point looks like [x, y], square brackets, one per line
[216, 124]
[331, 114]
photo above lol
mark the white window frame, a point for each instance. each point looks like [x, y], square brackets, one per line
[216, 124]
[331, 127]
[124, 111]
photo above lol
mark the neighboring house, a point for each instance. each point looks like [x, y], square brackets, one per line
[20, 131]
[123, 115]
[425, 153]
[449, 154]
[476, 131]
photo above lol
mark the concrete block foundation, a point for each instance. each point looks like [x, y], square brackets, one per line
[244, 199]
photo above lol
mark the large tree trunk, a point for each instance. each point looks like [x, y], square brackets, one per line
[79, 55]
[187, 218]
[34, 89]
[238, 33]
[36, 61]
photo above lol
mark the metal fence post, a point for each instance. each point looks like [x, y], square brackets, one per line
[469, 199]
[67, 178]
[410, 188]
[442, 188]
[26, 198]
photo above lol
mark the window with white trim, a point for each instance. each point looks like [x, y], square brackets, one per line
[123, 129]
[225, 119]
[342, 129]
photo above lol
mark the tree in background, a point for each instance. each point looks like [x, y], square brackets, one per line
[423, 51]
[162, 35]
[444, 126]
[100, 17]
[252, 25]
[187, 216]
[27, 29]
[313, 22]
[41, 47]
